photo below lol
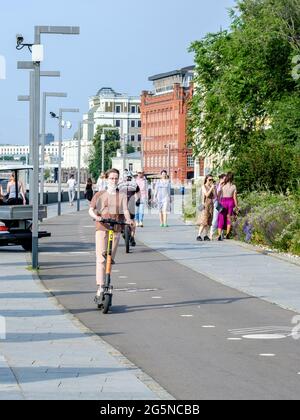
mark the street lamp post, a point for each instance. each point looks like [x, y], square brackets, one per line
[61, 112]
[29, 98]
[79, 166]
[35, 65]
[125, 137]
[103, 137]
[44, 111]
[168, 147]
[80, 124]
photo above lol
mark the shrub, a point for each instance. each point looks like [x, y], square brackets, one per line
[270, 219]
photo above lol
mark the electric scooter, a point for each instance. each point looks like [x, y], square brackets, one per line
[104, 302]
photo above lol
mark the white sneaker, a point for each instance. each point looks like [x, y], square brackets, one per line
[99, 291]
[141, 224]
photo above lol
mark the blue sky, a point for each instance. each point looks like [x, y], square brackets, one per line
[121, 45]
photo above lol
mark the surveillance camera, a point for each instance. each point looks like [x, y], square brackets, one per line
[20, 39]
[53, 115]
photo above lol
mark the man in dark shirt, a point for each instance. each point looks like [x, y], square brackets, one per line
[130, 188]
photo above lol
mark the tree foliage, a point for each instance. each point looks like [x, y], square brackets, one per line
[112, 144]
[246, 100]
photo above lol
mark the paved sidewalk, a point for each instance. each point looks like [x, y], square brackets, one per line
[46, 353]
[66, 208]
[233, 265]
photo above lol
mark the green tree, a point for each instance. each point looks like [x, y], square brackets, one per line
[245, 95]
[47, 174]
[130, 149]
[112, 144]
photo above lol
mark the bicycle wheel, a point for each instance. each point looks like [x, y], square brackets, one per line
[127, 238]
[107, 303]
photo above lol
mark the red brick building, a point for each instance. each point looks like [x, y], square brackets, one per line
[163, 115]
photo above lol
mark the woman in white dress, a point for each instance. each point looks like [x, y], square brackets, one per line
[162, 196]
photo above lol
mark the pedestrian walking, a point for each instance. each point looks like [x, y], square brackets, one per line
[162, 197]
[108, 204]
[101, 183]
[89, 192]
[71, 189]
[228, 198]
[141, 202]
[130, 188]
[217, 206]
[206, 216]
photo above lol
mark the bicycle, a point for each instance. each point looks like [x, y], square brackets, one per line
[104, 302]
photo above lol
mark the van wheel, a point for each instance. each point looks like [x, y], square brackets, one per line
[27, 246]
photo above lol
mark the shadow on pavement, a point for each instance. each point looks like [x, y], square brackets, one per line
[35, 337]
[48, 373]
[121, 309]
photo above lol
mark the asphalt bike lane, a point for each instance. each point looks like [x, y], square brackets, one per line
[197, 338]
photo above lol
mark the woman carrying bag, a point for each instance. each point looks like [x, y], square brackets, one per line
[206, 216]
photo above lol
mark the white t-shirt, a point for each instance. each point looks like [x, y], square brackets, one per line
[71, 184]
[101, 185]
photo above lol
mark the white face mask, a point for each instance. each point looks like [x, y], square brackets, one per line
[111, 187]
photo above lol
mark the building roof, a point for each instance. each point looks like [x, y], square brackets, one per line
[182, 72]
[107, 91]
[13, 167]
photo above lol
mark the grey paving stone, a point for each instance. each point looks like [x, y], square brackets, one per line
[47, 349]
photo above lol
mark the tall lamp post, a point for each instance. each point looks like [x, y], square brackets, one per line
[125, 142]
[60, 118]
[29, 98]
[80, 124]
[44, 111]
[37, 58]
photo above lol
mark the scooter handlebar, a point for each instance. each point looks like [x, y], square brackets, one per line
[113, 222]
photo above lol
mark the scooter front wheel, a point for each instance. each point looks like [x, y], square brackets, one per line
[107, 302]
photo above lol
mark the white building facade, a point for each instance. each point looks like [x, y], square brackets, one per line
[133, 162]
[117, 110]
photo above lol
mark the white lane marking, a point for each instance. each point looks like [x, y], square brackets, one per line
[187, 316]
[123, 277]
[156, 297]
[116, 271]
[2, 359]
[131, 284]
[234, 339]
[267, 355]
[79, 253]
[89, 227]
[261, 330]
[265, 336]
[169, 306]
[208, 326]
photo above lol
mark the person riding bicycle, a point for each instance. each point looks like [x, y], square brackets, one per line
[130, 188]
[109, 204]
